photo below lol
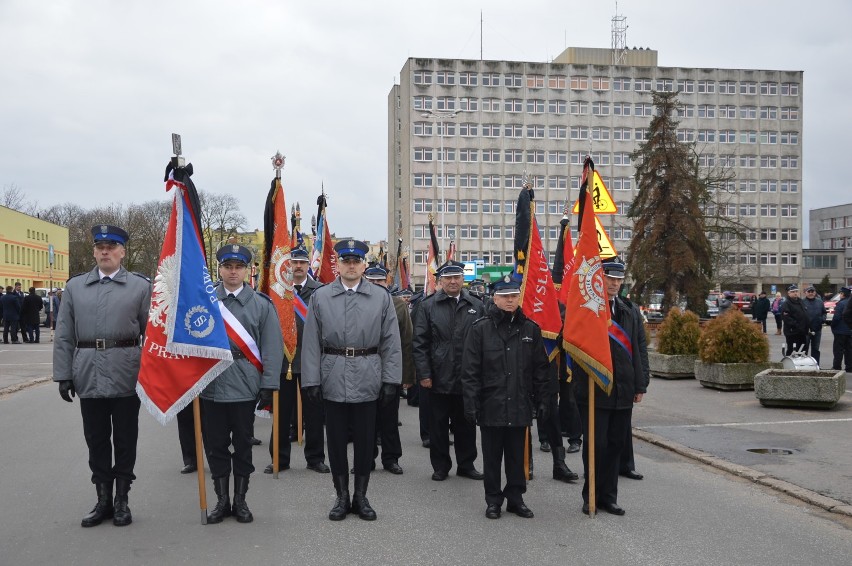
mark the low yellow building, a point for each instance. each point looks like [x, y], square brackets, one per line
[28, 245]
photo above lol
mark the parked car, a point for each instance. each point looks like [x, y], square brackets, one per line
[829, 307]
[742, 300]
[712, 309]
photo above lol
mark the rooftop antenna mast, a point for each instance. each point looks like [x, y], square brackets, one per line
[619, 37]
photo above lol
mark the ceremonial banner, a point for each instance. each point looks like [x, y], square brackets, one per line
[323, 258]
[538, 294]
[186, 345]
[587, 316]
[564, 262]
[451, 251]
[277, 274]
[431, 261]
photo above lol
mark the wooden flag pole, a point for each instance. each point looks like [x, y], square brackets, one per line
[299, 438]
[527, 453]
[590, 449]
[275, 434]
[199, 459]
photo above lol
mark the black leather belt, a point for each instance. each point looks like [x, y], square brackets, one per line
[350, 352]
[103, 343]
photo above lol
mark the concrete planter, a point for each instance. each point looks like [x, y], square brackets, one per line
[729, 377]
[672, 366]
[819, 389]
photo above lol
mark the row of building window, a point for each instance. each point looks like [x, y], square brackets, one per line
[762, 258]
[472, 181]
[598, 108]
[39, 260]
[424, 77]
[595, 133]
[36, 235]
[837, 222]
[836, 243]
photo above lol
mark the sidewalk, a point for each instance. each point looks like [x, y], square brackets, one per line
[806, 453]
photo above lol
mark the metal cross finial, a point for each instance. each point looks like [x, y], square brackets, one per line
[278, 163]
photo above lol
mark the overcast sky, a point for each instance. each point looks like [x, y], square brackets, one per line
[92, 89]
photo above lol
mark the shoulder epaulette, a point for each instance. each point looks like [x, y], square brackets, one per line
[145, 277]
[264, 295]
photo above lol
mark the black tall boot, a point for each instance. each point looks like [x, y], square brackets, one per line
[342, 505]
[121, 516]
[240, 509]
[223, 505]
[103, 508]
[562, 472]
[360, 505]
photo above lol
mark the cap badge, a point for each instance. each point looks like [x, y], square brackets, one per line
[104, 229]
[235, 248]
[350, 244]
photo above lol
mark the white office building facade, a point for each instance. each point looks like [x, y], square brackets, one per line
[461, 134]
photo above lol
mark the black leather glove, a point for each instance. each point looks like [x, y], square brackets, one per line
[66, 387]
[543, 413]
[387, 394]
[471, 416]
[264, 399]
[312, 394]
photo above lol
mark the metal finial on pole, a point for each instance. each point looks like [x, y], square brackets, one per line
[278, 163]
[177, 158]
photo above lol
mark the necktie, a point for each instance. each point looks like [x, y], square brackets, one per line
[105, 279]
[232, 296]
[298, 288]
[350, 292]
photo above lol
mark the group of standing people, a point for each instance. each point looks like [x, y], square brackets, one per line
[20, 314]
[479, 363]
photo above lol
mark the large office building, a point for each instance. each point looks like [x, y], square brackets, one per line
[461, 134]
[831, 231]
[33, 252]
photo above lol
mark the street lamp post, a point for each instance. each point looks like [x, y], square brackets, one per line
[441, 117]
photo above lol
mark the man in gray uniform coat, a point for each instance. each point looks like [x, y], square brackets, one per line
[227, 404]
[351, 357]
[96, 355]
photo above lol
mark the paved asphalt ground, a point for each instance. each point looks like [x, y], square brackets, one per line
[737, 510]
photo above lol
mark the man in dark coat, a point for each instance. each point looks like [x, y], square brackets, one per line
[795, 319]
[440, 328]
[841, 327]
[816, 319]
[11, 308]
[504, 379]
[613, 412]
[31, 306]
[761, 308]
[312, 413]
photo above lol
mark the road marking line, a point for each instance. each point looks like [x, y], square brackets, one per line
[710, 425]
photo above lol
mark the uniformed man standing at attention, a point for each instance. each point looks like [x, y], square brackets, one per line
[506, 381]
[387, 416]
[351, 358]
[227, 404]
[96, 355]
[440, 328]
[311, 412]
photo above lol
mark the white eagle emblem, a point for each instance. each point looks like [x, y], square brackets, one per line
[163, 293]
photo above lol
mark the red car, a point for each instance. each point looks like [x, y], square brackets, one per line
[829, 307]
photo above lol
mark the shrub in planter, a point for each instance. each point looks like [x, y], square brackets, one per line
[676, 346]
[679, 333]
[733, 339]
[731, 352]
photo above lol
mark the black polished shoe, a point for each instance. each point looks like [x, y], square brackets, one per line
[545, 446]
[612, 508]
[573, 447]
[520, 509]
[255, 441]
[319, 467]
[585, 508]
[394, 468]
[471, 473]
[239, 508]
[427, 443]
[188, 469]
[632, 474]
[268, 469]
[493, 511]
[439, 476]
[103, 508]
